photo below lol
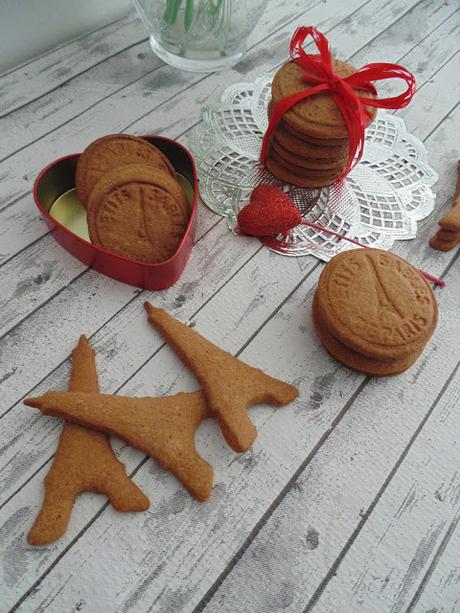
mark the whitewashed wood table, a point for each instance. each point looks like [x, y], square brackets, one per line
[350, 499]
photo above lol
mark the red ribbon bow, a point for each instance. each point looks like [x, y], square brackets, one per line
[318, 69]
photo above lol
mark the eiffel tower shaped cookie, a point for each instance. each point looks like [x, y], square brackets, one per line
[84, 462]
[230, 386]
[448, 235]
[164, 428]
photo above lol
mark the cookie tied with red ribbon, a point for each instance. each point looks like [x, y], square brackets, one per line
[319, 111]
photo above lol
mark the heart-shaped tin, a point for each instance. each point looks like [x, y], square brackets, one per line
[55, 197]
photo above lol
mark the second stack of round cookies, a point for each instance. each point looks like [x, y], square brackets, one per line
[373, 311]
[309, 146]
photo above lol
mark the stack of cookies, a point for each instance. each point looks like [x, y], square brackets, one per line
[135, 206]
[373, 311]
[309, 147]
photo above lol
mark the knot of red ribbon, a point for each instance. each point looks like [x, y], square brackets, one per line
[318, 69]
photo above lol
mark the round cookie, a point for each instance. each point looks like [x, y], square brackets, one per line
[307, 162]
[113, 151]
[297, 146]
[355, 360]
[377, 304]
[279, 171]
[444, 244]
[322, 142]
[317, 115]
[302, 171]
[138, 212]
[304, 137]
[134, 172]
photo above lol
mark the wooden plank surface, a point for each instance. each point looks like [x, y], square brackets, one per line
[36, 78]
[438, 590]
[418, 509]
[331, 483]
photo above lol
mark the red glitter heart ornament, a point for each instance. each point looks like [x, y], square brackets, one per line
[270, 211]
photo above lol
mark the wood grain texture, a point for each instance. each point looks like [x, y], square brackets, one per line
[422, 502]
[439, 590]
[52, 110]
[33, 79]
[284, 517]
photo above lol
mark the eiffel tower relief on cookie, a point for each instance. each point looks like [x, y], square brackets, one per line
[229, 385]
[84, 462]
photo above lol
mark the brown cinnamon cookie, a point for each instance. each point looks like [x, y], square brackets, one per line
[84, 461]
[448, 236]
[279, 170]
[299, 162]
[113, 151]
[451, 220]
[299, 146]
[229, 385]
[377, 304]
[445, 240]
[164, 428]
[302, 171]
[317, 115]
[304, 137]
[138, 212]
[355, 360]
[330, 142]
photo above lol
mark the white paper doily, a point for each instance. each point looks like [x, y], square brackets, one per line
[379, 202]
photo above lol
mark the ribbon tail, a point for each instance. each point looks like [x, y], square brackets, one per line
[379, 72]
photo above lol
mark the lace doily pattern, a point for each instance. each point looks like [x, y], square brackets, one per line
[379, 202]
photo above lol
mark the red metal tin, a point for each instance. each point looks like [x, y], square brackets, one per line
[59, 176]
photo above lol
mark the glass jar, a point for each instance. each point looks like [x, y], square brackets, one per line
[200, 35]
